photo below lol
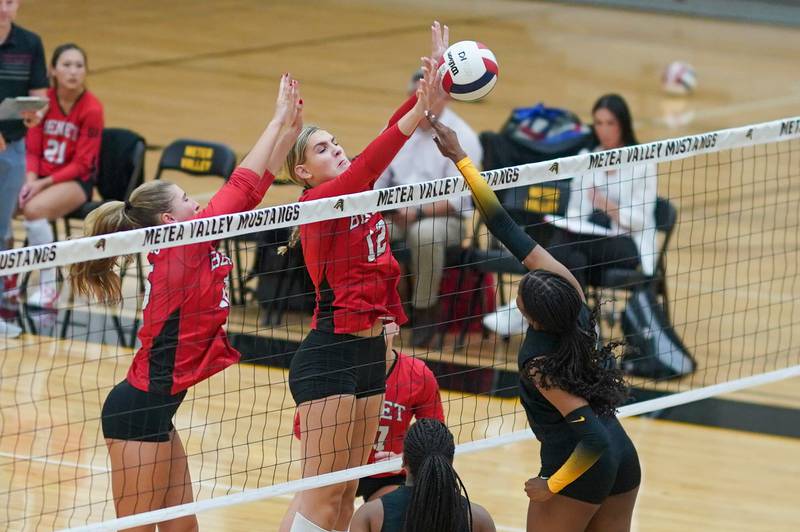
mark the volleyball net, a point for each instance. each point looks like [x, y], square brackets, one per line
[710, 307]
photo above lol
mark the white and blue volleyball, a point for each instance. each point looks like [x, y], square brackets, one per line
[469, 71]
[679, 78]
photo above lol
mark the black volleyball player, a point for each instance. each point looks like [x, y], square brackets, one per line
[569, 387]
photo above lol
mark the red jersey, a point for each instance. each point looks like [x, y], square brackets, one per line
[349, 260]
[186, 306]
[411, 391]
[67, 146]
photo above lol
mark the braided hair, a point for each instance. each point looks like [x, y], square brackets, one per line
[580, 365]
[436, 501]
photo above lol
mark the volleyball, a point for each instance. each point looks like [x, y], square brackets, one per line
[679, 78]
[469, 71]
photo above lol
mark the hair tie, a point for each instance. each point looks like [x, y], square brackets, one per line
[128, 206]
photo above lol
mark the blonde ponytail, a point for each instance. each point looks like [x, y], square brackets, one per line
[295, 157]
[98, 279]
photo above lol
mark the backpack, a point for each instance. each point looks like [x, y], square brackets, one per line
[653, 349]
[531, 135]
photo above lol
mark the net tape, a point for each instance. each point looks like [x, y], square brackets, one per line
[289, 215]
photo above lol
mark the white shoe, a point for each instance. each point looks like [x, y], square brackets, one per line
[44, 297]
[9, 330]
[506, 321]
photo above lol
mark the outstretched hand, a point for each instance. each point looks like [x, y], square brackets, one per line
[288, 101]
[446, 139]
[440, 40]
[430, 93]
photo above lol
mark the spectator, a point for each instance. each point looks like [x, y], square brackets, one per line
[432, 497]
[22, 73]
[62, 158]
[428, 231]
[610, 220]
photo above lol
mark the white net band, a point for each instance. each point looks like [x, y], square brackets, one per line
[227, 226]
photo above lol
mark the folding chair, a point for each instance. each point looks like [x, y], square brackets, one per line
[666, 217]
[121, 170]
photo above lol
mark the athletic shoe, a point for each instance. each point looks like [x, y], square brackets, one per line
[44, 297]
[9, 330]
[506, 321]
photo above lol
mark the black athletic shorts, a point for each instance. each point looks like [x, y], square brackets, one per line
[328, 364]
[616, 472]
[133, 415]
[88, 188]
[367, 486]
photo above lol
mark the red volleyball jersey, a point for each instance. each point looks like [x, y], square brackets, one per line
[411, 391]
[349, 259]
[186, 306]
[67, 146]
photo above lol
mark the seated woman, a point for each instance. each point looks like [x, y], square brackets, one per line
[62, 158]
[431, 498]
[610, 220]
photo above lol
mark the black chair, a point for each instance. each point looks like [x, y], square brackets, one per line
[666, 218]
[208, 159]
[496, 259]
[121, 170]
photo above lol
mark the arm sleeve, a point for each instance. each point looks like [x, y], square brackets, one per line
[33, 148]
[87, 149]
[497, 219]
[242, 192]
[593, 443]
[38, 78]
[638, 197]
[430, 401]
[365, 169]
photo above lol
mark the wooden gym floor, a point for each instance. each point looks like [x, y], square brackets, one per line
[208, 70]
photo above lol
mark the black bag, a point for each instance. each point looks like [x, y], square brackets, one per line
[283, 281]
[653, 350]
[531, 135]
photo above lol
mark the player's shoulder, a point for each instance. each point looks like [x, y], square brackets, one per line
[369, 516]
[412, 365]
[91, 102]
[482, 520]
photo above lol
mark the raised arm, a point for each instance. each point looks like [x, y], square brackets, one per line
[249, 182]
[440, 40]
[497, 219]
[373, 161]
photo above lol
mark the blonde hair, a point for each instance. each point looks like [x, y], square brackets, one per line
[98, 278]
[297, 155]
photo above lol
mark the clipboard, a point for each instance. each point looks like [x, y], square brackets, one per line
[10, 108]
